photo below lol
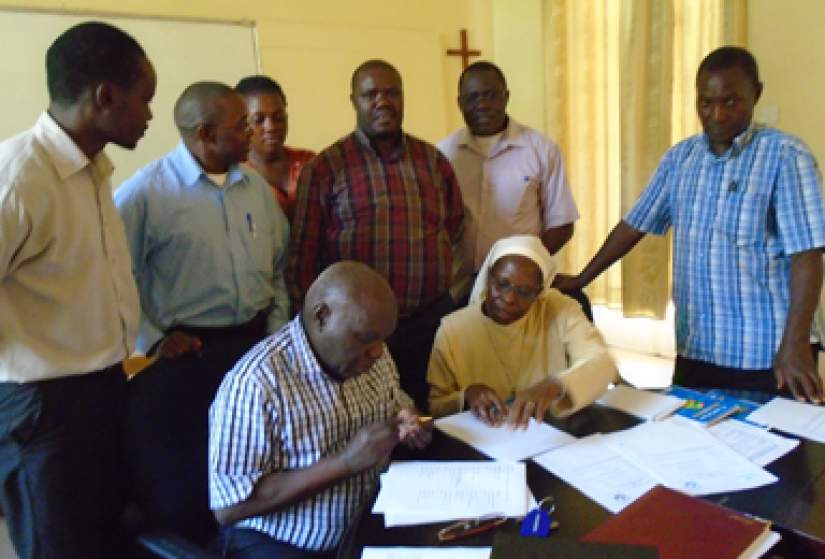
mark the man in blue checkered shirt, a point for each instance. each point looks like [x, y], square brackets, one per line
[746, 206]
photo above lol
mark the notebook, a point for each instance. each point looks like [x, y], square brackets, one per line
[705, 409]
[684, 527]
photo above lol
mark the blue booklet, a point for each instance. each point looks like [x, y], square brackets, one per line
[704, 408]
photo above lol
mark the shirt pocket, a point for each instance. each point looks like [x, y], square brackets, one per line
[742, 221]
[742, 217]
[257, 237]
[353, 199]
[529, 201]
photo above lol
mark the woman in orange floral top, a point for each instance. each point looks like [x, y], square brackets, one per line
[279, 164]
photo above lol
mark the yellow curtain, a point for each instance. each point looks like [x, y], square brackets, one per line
[619, 88]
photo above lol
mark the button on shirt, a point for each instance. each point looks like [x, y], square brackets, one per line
[203, 255]
[278, 411]
[518, 188]
[68, 303]
[737, 220]
[400, 215]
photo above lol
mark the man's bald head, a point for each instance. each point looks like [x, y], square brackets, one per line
[200, 104]
[349, 311]
[352, 283]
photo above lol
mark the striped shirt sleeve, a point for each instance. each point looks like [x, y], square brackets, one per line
[652, 211]
[800, 213]
[240, 446]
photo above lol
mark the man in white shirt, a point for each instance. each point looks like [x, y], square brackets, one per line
[69, 304]
[512, 177]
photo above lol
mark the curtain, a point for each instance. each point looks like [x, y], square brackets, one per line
[619, 86]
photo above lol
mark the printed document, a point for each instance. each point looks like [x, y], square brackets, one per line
[688, 458]
[754, 443]
[594, 468]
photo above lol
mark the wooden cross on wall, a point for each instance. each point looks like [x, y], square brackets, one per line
[464, 52]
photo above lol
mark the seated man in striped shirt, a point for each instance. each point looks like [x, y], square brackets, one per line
[302, 425]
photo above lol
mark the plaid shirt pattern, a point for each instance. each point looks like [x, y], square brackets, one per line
[737, 220]
[400, 215]
[278, 411]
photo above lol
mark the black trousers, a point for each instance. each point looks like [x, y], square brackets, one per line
[411, 344]
[692, 373]
[242, 543]
[167, 432]
[60, 481]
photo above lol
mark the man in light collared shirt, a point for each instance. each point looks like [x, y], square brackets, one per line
[68, 304]
[512, 177]
[208, 243]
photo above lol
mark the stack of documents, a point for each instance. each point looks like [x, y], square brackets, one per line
[503, 443]
[429, 492]
[615, 469]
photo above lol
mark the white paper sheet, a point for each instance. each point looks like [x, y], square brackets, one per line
[594, 468]
[761, 545]
[754, 443]
[426, 553]
[649, 406]
[439, 491]
[797, 418]
[502, 443]
[406, 517]
[688, 458]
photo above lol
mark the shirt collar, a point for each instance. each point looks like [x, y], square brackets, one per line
[65, 154]
[308, 362]
[513, 136]
[366, 144]
[740, 142]
[191, 171]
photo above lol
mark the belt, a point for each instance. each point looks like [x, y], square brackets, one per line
[252, 327]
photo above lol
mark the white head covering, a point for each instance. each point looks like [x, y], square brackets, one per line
[528, 246]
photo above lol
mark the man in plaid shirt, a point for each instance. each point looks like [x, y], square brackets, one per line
[385, 198]
[745, 203]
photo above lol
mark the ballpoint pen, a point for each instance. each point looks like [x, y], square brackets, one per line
[251, 224]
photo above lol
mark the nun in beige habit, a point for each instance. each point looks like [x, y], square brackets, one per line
[520, 348]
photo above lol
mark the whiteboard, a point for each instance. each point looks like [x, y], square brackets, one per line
[182, 52]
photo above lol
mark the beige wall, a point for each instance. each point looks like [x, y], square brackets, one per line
[312, 46]
[786, 38]
[518, 48]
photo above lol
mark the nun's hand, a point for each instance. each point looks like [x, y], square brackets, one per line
[485, 404]
[533, 402]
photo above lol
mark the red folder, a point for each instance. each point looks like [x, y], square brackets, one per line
[681, 526]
